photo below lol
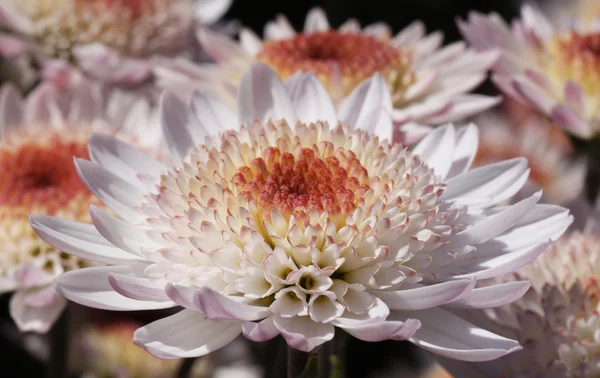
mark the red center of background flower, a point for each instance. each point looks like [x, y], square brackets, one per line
[578, 46]
[37, 175]
[357, 56]
[136, 7]
[299, 185]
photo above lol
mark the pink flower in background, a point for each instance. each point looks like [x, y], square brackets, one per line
[109, 40]
[290, 218]
[552, 68]
[428, 83]
[39, 137]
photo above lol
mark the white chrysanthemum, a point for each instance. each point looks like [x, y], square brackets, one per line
[555, 70]
[428, 84]
[553, 165]
[302, 220]
[108, 39]
[556, 321]
[40, 136]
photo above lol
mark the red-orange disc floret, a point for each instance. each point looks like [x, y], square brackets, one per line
[35, 176]
[299, 185]
[577, 57]
[357, 56]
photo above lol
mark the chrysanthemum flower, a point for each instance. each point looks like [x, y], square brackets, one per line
[554, 70]
[553, 165]
[556, 321]
[108, 39]
[428, 84]
[290, 219]
[39, 137]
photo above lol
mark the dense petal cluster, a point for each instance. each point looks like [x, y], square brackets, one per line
[557, 320]
[108, 39]
[554, 69]
[293, 219]
[40, 136]
[428, 83]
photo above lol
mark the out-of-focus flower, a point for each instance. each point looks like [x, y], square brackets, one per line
[39, 137]
[106, 351]
[111, 40]
[428, 83]
[553, 166]
[554, 70]
[556, 321]
[287, 225]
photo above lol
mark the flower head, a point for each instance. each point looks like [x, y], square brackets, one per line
[40, 136]
[107, 39]
[427, 83]
[293, 219]
[557, 320]
[552, 69]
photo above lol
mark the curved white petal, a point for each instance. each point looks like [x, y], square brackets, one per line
[79, 239]
[387, 330]
[492, 296]
[90, 287]
[423, 297]
[467, 143]
[262, 96]
[122, 159]
[262, 331]
[316, 21]
[448, 335]
[311, 101]
[214, 115]
[210, 11]
[437, 149]
[302, 333]
[185, 334]
[36, 311]
[369, 108]
[181, 128]
[140, 288]
[498, 182]
[11, 108]
[214, 305]
[119, 195]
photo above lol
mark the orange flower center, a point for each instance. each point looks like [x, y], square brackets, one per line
[42, 175]
[300, 185]
[578, 58]
[356, 56]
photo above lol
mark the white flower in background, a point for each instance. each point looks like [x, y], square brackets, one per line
[110, 40]
[556, 321]
[290, 219]
[428, 83]
[552, 69]
[39, 137]
[551, 158]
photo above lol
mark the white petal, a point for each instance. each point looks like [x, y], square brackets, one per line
[448, 335]
[181, 128]
[122, 159]
[423, 297]
[495, 224]
[250, 42]
[140, 288]
[263, 331]
[467, 142]
[13, 20]
[185, 334]
[498, 182]
[119, 195]
[79, 239]
[262, 96]
[36, 318]
[214, 305]
[214, 115]
[311, 101]
[437, 149]
[316, 21]
[493, 296]
[302, 333]
[210, 11]
[386, 330]
[369, 107]
[11, 108]
[90, 287]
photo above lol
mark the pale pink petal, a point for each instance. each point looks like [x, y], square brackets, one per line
[311, 100]
[566, 118]
[214, 115]
[11, 47]
[250, 42]
[422, 297]
[210, 11]
[316, 21]
[11, 108]
[262, 331]
[492, 296]
[467, 143]
[437, 148]
[302, 333]
[36, 311]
